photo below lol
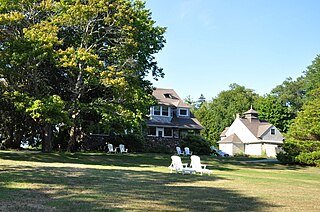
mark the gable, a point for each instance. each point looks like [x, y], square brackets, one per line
[276, 136]
[241, 130]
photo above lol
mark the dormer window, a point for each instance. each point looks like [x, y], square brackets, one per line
[183, 112]
[165, 111]
[161, 110]
[157, 110]
[168, 95]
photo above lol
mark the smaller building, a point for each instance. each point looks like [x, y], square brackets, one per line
[251, 136]
[171, 117]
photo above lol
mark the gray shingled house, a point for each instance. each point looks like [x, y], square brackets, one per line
[171, 117]
[251, 136]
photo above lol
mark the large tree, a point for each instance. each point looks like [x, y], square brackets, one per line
[89, 58]
[221, 111]
[275, 111]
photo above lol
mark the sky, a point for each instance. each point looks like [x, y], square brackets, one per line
[211, 44]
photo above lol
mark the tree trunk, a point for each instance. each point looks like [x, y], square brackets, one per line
[47, 138]
[72, 139]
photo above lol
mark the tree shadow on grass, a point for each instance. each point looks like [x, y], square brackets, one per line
[87, 189]
[257, 163]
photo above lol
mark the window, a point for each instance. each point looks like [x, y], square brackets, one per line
[157, 110]
[161, 111]
[165, 111]
[183, 112]
[168, 132]
[152, 131]
[273, 131]
[167, 95]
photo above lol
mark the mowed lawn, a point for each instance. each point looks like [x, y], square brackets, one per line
[99, 181]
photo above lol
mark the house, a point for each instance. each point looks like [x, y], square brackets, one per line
[251, 136]
[171, 117]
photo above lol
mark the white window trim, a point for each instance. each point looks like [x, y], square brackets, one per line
[162, 130]
[184, 109]
[169, 111]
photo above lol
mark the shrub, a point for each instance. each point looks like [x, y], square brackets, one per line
[197, 144]
[302, 152]
[308, 158]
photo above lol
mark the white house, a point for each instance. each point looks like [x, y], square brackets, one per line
[251, 136]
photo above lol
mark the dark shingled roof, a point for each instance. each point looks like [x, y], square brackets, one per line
[180, 123]
[257, 127]
[169, 97]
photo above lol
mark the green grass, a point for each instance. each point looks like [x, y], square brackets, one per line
[99, 181]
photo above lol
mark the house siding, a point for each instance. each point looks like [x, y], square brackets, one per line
[277, 137]
[227, 148]
[270, 149]
[253, 149]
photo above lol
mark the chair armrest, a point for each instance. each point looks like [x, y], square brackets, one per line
[185, 165]
[204, 165]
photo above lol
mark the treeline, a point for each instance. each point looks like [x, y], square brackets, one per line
[293, 107]
[70, 68]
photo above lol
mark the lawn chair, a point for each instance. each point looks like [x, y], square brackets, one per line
[178, 166]
[179, 152]
[111, 150]
[122, 149]
[187, 151]
[196, 165]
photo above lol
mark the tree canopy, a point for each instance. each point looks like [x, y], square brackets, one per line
[77, 65]
[221, 111]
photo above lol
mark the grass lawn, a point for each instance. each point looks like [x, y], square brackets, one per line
[99, 181]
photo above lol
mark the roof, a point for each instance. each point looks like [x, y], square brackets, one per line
[233, 138]
[223, 134]
[190, 124]
[257, 127]
[169, 97]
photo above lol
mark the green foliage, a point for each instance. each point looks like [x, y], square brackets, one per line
[312, 75]
[197, 144]
[296, 151]
[79, 63]
[291, 93]
[49, 110]
[306, 125]
[221, 111]
[309, 158]
[270, 108]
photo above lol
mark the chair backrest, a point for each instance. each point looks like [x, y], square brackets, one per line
[122, 149]
[187, 151]
[110, 147]
[178, 150]
[195, 162]
[176, 162]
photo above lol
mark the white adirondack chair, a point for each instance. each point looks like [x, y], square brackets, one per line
[187, 151]
[178, 166]
[179, 152]
[196, 165]
[123, 149]
[111, 149]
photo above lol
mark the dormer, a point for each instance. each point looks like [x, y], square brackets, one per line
[168, 95]
[183, 112]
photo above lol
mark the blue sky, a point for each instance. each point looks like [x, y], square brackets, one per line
[254, 43]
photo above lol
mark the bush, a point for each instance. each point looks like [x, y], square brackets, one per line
[197, 144]
[302, 152]
[308, 158]
[285, 158]
[134, 143]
